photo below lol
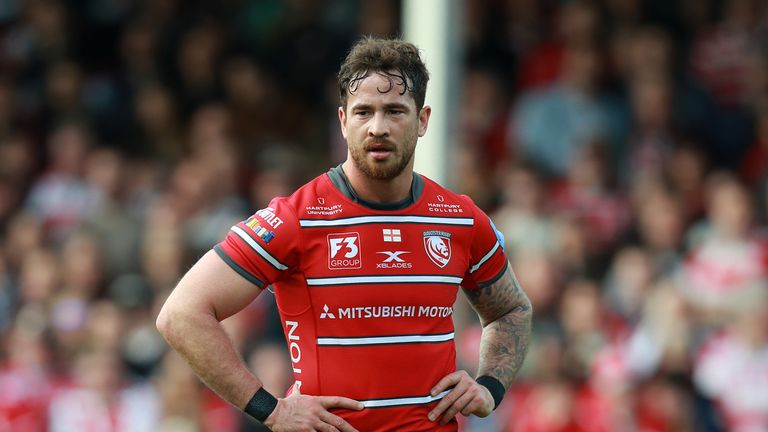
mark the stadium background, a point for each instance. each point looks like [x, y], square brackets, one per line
[621, 145]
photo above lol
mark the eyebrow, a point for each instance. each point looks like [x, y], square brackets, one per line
[387, 106]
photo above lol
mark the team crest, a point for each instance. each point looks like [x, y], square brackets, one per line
[438, 247]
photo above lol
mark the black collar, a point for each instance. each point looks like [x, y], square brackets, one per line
[339, 179]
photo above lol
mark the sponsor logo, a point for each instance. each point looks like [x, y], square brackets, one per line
[294, 349]
[344, 251]
[437, 244]
[387, 311]
[393, 260]
[440, 207]
[326, 313]
[263, 233]
[391, 235]
[322, 209]
[268, 214]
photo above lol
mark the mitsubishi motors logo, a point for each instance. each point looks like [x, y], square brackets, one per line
[326, 313]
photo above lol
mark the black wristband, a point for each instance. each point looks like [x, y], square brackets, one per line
[261, 405]
[494, 386]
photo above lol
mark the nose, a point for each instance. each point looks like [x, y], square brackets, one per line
[379, 127]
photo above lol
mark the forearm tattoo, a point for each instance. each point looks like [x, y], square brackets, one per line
[505, 313]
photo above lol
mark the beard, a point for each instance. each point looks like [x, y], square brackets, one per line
[382, 170]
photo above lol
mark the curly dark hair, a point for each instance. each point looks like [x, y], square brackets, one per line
[396, 59]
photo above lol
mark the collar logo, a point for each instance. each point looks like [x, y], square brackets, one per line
[437, 244]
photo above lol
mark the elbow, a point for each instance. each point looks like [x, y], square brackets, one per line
[171, 320]
[178, 318]
[163, 321]
[523, 311]
[526, 309]
[528, 306]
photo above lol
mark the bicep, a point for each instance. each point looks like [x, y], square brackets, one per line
[212, 286]
[498, 298]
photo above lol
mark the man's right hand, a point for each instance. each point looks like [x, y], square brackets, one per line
[300, 413]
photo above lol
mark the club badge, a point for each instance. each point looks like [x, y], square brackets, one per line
[437, 244]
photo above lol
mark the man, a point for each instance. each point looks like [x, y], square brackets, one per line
[365, 262]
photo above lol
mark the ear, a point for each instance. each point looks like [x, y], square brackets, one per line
[343, 121]
[424, 114]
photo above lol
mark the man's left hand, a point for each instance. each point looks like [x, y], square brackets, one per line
[467, 397]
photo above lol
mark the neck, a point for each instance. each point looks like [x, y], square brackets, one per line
[379, 191]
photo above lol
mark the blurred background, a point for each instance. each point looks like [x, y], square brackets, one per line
[621, 146]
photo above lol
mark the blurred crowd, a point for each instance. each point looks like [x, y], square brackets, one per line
[620, 145]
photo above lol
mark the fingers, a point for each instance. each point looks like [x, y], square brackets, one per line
[325, 427]
[303, 412]
[461, 403]
[467, 397]
[448, 381]
[470, 407]
[340, 402]
[481, 404]
[336, 423]
[458, 390]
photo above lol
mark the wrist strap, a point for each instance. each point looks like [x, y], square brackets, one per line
[261, 405]
[494, 386]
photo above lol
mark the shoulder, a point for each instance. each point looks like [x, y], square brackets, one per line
[319, 190]
[283, 212]
[319, 199]
[307, 196]
[440, 199]
[433, 189]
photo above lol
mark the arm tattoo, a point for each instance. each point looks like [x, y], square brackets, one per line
[505, 313]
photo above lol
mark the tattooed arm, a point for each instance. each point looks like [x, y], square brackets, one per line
[505, 314]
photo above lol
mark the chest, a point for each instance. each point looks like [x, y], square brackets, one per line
[386, 248]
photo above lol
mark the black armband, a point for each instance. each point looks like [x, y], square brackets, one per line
[494, 386]
[261, 405]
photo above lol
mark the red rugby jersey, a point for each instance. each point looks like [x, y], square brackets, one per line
[366, 295]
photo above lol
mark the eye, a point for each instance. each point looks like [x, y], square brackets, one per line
[396, 111]
[362, 113]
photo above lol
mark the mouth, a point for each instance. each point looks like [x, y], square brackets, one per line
[380, 151]
[379, 155]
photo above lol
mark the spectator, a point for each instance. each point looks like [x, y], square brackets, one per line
[524, 217]
[99, 401]
[726, 268]
[551, 125]
[61, 198]
[731, 367]
[586, 196]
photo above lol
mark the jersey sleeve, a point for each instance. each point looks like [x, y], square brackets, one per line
[263, 248]
[487, 260]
